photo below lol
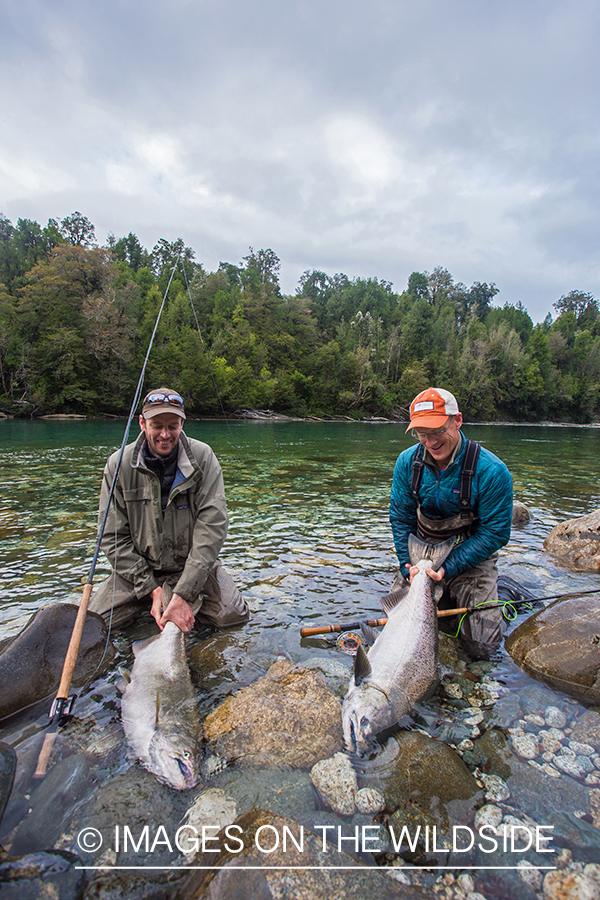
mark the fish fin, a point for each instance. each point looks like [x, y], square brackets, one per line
[157, 708]
[362, 666]
[369, 634]
[167, 593]
[390, 601]
[438, 593]
[139, 645]
[444, 671]
[124, 680]
[436, 553]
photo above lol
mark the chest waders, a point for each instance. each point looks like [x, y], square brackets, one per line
[480, 632]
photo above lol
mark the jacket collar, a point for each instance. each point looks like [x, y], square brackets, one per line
[186, 462]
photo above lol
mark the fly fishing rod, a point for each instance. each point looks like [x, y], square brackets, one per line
[441, 613]
[62, 705]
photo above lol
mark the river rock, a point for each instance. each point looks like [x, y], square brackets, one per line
[425, 773]
[492, 753]
[137, 800]
[587, 728]
[369, 800]
[39, 875]
[289, 717]
[489, 816]
[570, 885]
[525, 745]
[51, 806]
[556, 645]
[577, 767]
[335, 780]
[8, 765]
[283, 791]
[31, 663]
[532, 791]
[555, 717]
[260, 828]
[576, 543]
[211, 808]
[521, 515]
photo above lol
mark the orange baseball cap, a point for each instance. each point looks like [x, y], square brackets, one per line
[431, 408]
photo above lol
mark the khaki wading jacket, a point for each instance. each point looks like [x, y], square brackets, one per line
[140, 543]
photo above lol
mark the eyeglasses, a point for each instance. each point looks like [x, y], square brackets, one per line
[423, 436]
[164, 398]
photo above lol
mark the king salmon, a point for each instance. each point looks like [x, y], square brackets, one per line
[159, 708]
[402, 664]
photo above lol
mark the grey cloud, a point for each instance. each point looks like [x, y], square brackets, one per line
[374, 139]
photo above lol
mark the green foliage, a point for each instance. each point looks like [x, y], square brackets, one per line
[76, 320]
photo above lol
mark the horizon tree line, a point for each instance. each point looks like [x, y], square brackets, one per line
[76, 319]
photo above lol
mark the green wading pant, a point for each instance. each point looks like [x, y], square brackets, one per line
[220, 603]
[481, 632]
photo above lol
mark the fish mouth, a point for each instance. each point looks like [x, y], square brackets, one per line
[353, 737]
[188, 775]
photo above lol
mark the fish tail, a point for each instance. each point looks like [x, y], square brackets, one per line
[436, 553]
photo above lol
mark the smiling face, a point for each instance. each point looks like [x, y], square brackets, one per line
[162, 432]
[441, 445]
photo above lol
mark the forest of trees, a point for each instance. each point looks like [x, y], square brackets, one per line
[76, 319]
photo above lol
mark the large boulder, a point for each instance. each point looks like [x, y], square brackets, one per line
[576, 543]
[290, 717]
[31, 663]
[297, 863]
[421, 772]
[558, 645]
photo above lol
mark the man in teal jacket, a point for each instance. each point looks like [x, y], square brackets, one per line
[448, 486]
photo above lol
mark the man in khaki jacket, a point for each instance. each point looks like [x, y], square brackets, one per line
[167, 522]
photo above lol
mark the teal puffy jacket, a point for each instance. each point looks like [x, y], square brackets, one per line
[491, 500]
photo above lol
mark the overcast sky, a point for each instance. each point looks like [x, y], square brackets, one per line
[374, 139]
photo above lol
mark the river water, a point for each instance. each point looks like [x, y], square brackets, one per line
[309, 539]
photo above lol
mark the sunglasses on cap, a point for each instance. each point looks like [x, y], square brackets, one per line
[156, 397]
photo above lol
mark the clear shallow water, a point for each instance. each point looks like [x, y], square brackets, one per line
[309, 539]
[309, 534]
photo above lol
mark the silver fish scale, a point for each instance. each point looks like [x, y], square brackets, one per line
[167, 741]
[403, 662]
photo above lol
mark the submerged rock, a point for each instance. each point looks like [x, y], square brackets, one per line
[492, 754]
[289, 717]
[45, 874]
[8, 765]
[335, 780]
[262, 829]
[570, 885]
[287, 792]
[426, 773]
[556, 645]
[51, 806]
[576, 543]
[521, 515]
[212, 808]
[587, 728]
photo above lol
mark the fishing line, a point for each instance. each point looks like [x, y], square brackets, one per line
[514, 612]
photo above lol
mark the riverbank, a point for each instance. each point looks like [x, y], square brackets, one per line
[267, 415]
